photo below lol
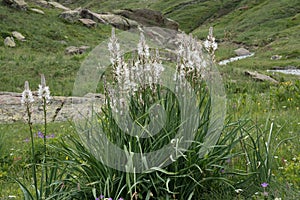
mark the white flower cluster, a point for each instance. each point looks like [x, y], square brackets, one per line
[190, 60]
[210, 44]
[44, 92]
[143, 71]
[27, 97]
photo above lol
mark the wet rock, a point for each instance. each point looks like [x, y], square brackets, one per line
[260, 77]
[9, 42]
[242, 52]
[18, 36]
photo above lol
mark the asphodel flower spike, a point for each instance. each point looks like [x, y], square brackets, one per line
[27, 97]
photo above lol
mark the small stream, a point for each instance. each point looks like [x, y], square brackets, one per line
[292, 71]
[224, 62]
[286, 71]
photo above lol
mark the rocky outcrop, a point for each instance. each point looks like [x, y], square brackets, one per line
[87, 14]
[123, 19]
[19, 4]
[9, 42]
[72, 50]
[71, 15]
[260, 77]
[60, 108]
[58, 5]
[147, 17]
[118, 21]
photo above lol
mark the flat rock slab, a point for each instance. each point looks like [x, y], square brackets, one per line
[60, 108]
[242, 52]
[260, 77]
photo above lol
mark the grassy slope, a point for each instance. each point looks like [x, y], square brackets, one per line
[47, 36]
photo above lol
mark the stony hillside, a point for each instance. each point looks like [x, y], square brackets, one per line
[54, 36]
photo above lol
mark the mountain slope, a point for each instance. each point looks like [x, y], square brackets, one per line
[265, 27]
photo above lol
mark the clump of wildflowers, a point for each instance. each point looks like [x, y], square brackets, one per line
[27, 97]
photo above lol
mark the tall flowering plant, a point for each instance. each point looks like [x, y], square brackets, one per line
[47, 187]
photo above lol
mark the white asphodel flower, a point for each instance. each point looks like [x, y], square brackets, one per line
[114, 48]
[44, 91]
[143, 48]
[210, 43]
[27, 97]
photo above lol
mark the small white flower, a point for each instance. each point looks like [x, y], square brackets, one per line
[44, 91]
[27, 97]
[238, 191]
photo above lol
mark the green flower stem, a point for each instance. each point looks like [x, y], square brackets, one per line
[32, 151]
[44, 164]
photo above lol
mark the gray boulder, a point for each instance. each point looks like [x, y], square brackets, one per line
[19, 4]
[148, 17]
[70, 15]
[242, 52]
[18, 36]
[260, 77]
[72, 50]
[117, 21]
[58, 5]
[9, 42]
[42, 3]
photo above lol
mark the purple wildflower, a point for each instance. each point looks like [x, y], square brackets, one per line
[120, 198]
[264, 185]
[97, 198]
[110, 198]
[26, 140]
[40, 134]
[101, 196]
[51, 136]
